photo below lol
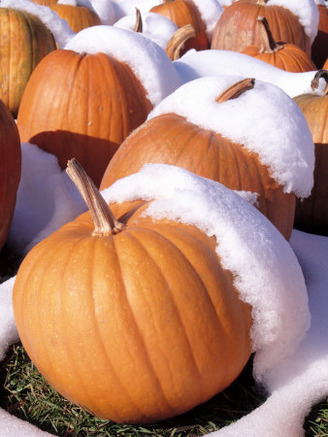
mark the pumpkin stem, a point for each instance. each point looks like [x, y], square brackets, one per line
[104, 221]
[315, 81]
[138, 25]
[268, 43]
[236, 90]
[177, 41]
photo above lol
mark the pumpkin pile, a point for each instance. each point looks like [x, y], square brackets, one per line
[142, 287]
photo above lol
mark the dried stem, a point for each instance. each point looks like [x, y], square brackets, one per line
[104, 221]
[138, 25]
[177, 41]
[315, 81]
[268, 43]
[236, 90]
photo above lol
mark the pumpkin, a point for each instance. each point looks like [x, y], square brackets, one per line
[312, 213]
[288, 57]
[172, 139]
[121, 330]
[237, 27]
[78, 17]
[183, 12]
[319, 48]
[10, 169]
[24, 41]
[81, 105]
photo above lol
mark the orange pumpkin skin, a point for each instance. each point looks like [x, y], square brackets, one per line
[78, 17]
[319, 48]
[10, 169]
[183, 12]
[82, 106]
[288, 58]
[237, 27]
[171, 139]
[312, 213]
[137, 327]
[24, 41]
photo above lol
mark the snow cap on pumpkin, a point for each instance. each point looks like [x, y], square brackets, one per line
[264, 120]
[265, 268]
[147, 59]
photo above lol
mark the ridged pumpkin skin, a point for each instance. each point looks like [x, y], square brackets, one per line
[24, 41]
[183, 12]
[82, 106]
[237, 26]
[78, 17]
[136, 327]
[10, 169]
[171, 139]
[312, 213]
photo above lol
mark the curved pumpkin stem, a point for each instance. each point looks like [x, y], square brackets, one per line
[138, 25]
[177, 40]
[268, 43]
[104, 221]
[315, 81]
[236, 90]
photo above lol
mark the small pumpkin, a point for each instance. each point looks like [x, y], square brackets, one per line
[312, 213]
[183, 12]
[237, 27]
[122, 329]
[288, 57]
[24, 41]
[78, 17]
[10, 169]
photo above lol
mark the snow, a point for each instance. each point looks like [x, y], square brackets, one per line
[154, 26]
[272, 131]
[210, 11]
[210, 62]
[291, 357]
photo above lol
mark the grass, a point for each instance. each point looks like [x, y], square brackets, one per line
[25, 394]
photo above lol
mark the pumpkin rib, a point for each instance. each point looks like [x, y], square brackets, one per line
[134, 236]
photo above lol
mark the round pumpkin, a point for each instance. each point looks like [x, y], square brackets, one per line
[24, 41]
[171, 138]
[78, 17]
[288, 57]
[139, 321]
[10, 169]
[81, 105]
[237, 26]
[312, 213]
[183, 12]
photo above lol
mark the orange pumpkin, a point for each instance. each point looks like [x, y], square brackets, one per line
[183, 12]
[82, 106]
[312, 213]
[288, 57]
[172, 139]
[122, 328]
[78, 17]
[24, 41]
[237, 27]
[10, 169]
[319, 48]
